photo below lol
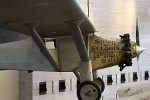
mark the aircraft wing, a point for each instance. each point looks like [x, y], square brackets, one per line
[23, 55]
[52, 16]
[142, 96]
[133, 89]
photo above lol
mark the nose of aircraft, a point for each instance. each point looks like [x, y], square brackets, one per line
[139, 50]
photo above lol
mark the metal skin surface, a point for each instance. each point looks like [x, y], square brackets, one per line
[53, 22]
[106, 53]
[52, 16]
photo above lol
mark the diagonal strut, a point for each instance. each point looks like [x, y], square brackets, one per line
[35, 36]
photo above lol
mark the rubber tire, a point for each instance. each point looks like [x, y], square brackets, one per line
[100, 83]
[88, 83]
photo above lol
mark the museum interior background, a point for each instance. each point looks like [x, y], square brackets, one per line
[111, 18]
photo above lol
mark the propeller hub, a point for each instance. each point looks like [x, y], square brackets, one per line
[139, 49]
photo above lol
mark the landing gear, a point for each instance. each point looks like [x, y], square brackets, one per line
[100, 83]
[88, 90]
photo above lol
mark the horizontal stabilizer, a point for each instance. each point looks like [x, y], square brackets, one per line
[23, 55]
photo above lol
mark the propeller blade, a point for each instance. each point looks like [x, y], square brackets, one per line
[138, 58]
[137, 33]
[138, 64]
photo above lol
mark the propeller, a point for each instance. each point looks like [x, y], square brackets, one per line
[139, 49]
[127, 56]
[137, 40]
[137, 33]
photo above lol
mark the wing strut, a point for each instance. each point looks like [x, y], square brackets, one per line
[35, 36]
[85, 65]
[87, 88]
[78, 39]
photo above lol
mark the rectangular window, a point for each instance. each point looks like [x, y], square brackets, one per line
[62, 86]
[50, 43]
[42, 88]
[123, 78]
[109, 80]
[135, 77]
[146, 75]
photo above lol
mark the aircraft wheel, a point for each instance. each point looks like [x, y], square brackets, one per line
[88, 91]
[100, 83]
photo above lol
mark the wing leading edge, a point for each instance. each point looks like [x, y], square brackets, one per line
[51, 15]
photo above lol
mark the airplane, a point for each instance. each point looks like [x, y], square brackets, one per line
[77, 48]
[134, 91]
[142, 96]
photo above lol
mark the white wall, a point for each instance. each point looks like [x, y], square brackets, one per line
[49, 77]
[9, 85]
[9, 79]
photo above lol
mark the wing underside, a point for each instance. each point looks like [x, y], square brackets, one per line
[52, 16]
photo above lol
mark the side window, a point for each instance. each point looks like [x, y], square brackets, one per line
[62, 86]
[109, 80]
[135, 77]
[50, 43]
[42, 88]
[123, 78]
